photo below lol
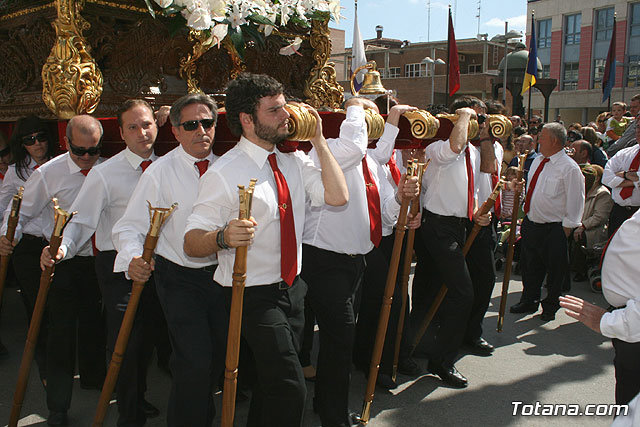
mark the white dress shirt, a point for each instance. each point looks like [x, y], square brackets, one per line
[384, 152]
[559, 192]
[445, 179]
[60, 178]
[10, 185]
[621, 282]
[484, 181]
[218, 203]
[345, 229]
[172, 178]
[102, 201]
[618, 163]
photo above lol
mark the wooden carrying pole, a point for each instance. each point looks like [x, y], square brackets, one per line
[157, 217]
[12, 223]
[62, 218]
[387, 299]
[406, 270]
[235, 317]
[512, 241]
[484, 209]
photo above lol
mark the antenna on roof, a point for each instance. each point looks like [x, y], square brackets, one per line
[478, 15]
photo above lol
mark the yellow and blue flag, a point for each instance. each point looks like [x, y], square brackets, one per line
[532, 64]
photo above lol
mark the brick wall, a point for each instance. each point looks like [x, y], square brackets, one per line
[584, 72]
[555, 65]
[621, 41]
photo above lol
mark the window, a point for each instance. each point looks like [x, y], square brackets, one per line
[544, 33]
[496, 55]
[475, 68]
[570, 76]
[572, 29]
[604, 24]
[461, 57]
[394, 73]
[546, 71]
[598, 72]
[633, 76]
[415, 70]
[635, 20]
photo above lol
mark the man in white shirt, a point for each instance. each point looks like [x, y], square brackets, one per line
[100, 203]
[272, 318]
[192, 303]
[621, 323]
[74, 302]
[621, 175]
[553, 205]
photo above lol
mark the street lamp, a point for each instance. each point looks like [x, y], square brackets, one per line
[506, 37]
[430, 62]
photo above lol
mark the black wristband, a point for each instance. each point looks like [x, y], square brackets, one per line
[624, 175]
[220, 238]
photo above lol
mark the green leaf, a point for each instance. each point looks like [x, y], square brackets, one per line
[299, 21]
[237, 39]
[260, 19]
[173, 9]
[148, 2]
[252, 32]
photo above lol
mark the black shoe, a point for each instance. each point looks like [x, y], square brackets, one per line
[149, 410]
[524, 307]
[448, 375]
[57, 419]
[409, 367]
[386, 382]
[480, 346]
[547, 316]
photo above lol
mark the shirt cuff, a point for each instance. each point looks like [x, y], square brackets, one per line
[567, 223]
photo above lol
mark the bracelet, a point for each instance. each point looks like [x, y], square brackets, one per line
[398, 201]
[220, 238]
[624, 175]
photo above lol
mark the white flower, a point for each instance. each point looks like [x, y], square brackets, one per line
[218, 8]
[164, 3]
[292, 48]
[285, 11]
[237, 16]
[219, 32]
[334, 9]
[199, 19]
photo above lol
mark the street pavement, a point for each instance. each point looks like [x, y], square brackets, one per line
[559, 362]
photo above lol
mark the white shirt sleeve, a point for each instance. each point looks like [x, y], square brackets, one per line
[36, 197]
[312, 178]
[623, 323]
[212, 208]
[350, 147]
[575, 199]
[615, 164]
[385, 145]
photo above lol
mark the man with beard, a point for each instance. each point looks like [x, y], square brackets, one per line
[100, 203]
[272, 317]
[192, 302]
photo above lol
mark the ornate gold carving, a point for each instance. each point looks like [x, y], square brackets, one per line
[423, 124]
[201, 45]
[236, 61]
[27, 11]
[321, 88]
[71, 79]
[119, 6]
[501, 126]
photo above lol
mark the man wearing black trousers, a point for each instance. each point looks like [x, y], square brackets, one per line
[100, 203]
[553, 206]
[272, 316]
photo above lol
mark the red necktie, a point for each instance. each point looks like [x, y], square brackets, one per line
[626, 192]
[36, 167]
[527, 200]
[288, 245]
[393, 167]
[498, 206]
[145, 164]
[85, 171]
[470, 183]
[202, 166]
[373, 203]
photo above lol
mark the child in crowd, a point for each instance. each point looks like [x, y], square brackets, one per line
[618, 123]
[508, 194]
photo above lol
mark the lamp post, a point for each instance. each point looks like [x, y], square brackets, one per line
[506, 37]
[431, 62]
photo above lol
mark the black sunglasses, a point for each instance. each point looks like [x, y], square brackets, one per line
[31, 139]
[80, 151]
[191, 125]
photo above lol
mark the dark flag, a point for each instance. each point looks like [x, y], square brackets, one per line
[454, 66]
[609, 77]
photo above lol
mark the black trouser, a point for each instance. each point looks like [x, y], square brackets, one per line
[627, 370]
[307, 334]
[333, 280]
[272, 322]
[373, 284]
[194, 307]
[544, 252]
[75, 317]
[443, 239]
[26, 263]
[618, 215]
[482, 268]
[132, 379]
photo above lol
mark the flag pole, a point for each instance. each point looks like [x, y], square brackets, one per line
[446, 88]
[529, 107]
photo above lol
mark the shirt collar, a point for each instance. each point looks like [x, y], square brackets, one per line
[256, 153]
[73, 168]
[135, 160]
[188, 157]
[557, 156]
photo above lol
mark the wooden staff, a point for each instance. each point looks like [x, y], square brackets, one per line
[235, 318]
[512, 241]
[406, 270]
[157, 217]
[484, 209]
[12, 223]
[61, 219]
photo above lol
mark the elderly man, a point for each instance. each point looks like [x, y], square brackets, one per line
[629, 137]
[74, 301]
[192, 303]
[582, 151]
[621, 175]
[100, 203]
[553, 206]
[525, 143]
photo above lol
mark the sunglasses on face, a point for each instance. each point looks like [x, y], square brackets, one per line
[31, 139]
[80, 151]
[191, 125]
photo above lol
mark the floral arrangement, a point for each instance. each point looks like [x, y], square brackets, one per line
[244, 20]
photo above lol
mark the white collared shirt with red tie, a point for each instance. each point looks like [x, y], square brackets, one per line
[622, 161]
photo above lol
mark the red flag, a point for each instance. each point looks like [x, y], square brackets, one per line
[454, 66]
